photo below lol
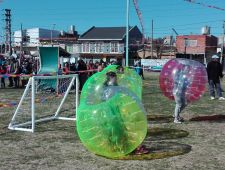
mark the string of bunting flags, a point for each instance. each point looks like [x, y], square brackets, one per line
[205, 5]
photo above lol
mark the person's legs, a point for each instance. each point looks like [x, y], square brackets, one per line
[16, 81]
[180, 105]
[3, 82]
[211, 89]
[177, 109]
[10, 81]
[218, 89]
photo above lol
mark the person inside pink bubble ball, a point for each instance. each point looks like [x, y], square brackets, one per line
[183, 81]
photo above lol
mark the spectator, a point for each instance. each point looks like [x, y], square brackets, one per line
[3, 70]
[82, 68]
[100, 67]
[138, 68]
[142, 72]
[11, 70]
[214, 70]
[60, 70]
[73, 67]
[29, 67]
[66, 69]
[17, 73]
[90, 67]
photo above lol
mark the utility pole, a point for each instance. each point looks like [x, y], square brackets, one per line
[222, 48]
[127, 33]
[222, 44]
[8, 32]
[53, 27]
[152, 41]
[21, 42]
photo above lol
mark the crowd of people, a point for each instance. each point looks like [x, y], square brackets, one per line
[11, 69]
[15, 70]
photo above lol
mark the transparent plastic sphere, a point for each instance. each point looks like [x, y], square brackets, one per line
[111, 120]
[127, 79]
[183, 77]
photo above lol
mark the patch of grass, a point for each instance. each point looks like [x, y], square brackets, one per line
[156, 103]
[56, 145]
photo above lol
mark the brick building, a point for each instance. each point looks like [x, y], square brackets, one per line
[196, 47]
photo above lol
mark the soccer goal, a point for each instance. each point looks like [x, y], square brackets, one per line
[46, 98]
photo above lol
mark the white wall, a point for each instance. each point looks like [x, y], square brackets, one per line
[220, 40]
[153, 62]
[35, 34]
[17, 37]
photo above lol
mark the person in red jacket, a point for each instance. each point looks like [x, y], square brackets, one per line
[3, 71]
[66, 69]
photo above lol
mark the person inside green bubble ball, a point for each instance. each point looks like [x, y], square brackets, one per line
[108, 92]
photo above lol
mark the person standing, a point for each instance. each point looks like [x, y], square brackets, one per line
[3, 71]
[90, 68]
[214, 71]
[82, 72]
[181, 82]
[11, 70]
[17, 75]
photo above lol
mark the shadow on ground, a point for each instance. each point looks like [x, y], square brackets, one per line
[211, 118]
[152, 119]
[159, 150]
[158, 147]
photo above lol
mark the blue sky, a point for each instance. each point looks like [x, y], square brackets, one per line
[183, 16]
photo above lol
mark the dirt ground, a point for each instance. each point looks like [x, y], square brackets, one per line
[56, 145]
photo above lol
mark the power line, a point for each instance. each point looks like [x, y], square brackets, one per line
[205, 5]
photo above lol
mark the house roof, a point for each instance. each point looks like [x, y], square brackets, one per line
[104, 33]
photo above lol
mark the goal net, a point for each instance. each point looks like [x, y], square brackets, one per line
[46, 98]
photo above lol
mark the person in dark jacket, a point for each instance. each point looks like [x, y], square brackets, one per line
[11, 70]
[17, 73]
[214, 70]
[82, 69]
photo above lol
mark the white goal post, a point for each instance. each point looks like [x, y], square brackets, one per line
[44, 99]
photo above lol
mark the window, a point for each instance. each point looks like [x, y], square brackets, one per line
[99, 47]
[26, 39]
[86, 48]
[114, 47]
[190, 43]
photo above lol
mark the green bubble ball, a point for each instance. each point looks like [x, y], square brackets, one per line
[114, 126]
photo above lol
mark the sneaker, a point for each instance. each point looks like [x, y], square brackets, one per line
[177, 121]
[141, 150]
[221, 98]
[212, 98]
